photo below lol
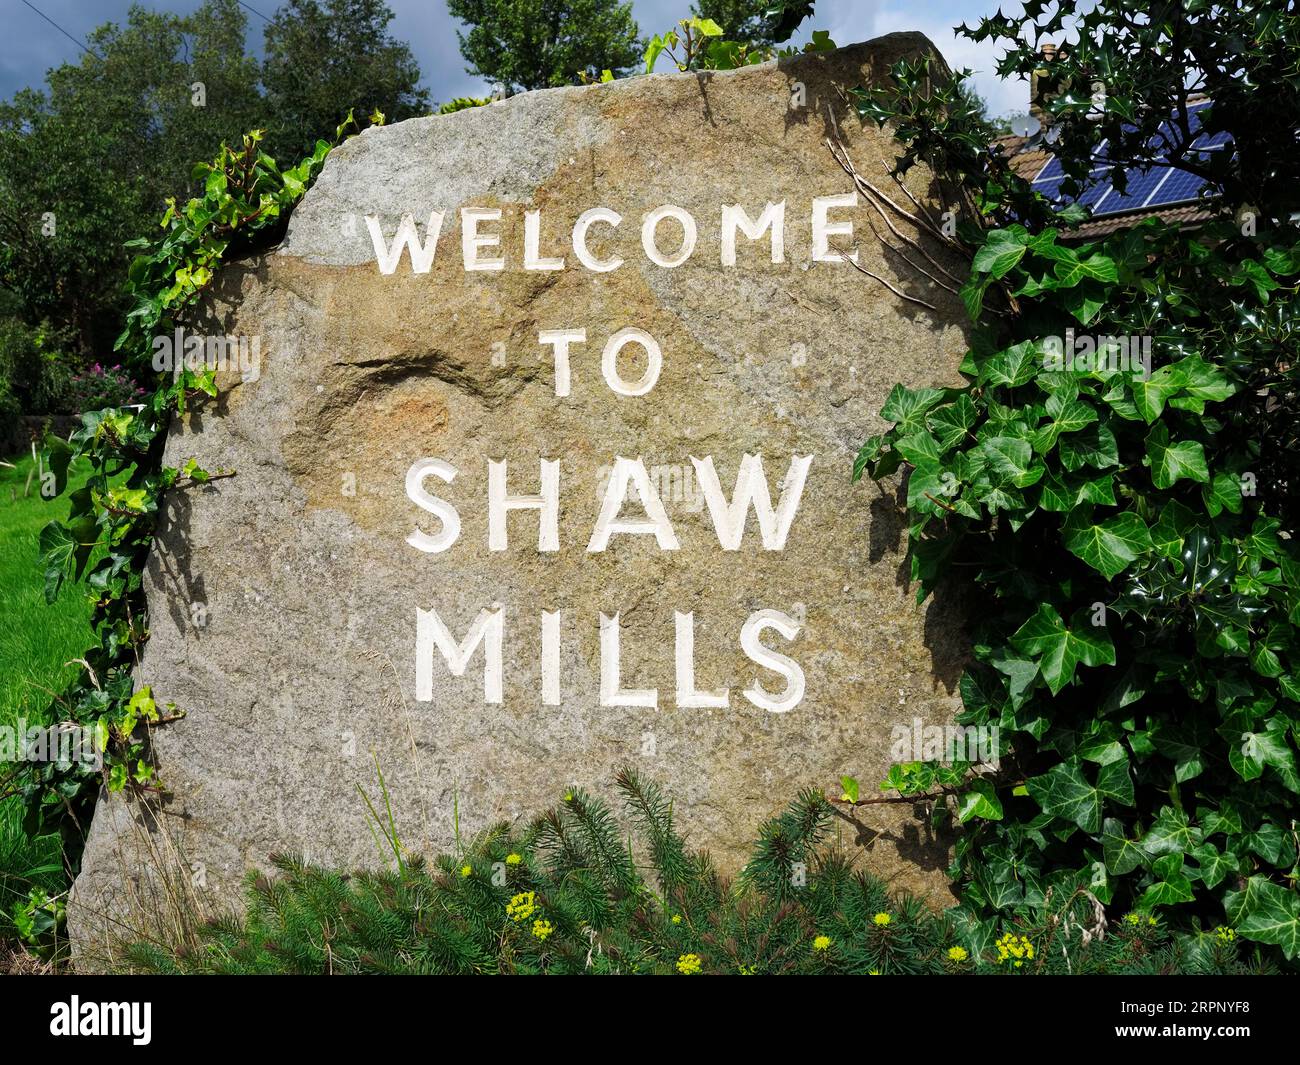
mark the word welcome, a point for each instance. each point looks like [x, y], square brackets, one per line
[479, 242]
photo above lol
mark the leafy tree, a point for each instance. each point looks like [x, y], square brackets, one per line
[1125, 75]
[326, 59]
[739, 20]
[758, 23]
[1131, 527]
[535, 44]
[89, 163]
[85, 164]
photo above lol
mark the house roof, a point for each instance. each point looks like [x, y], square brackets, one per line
[1028, 156]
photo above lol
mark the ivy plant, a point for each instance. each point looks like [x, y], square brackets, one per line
[699, 43]
[105, 540]
[1128, 524]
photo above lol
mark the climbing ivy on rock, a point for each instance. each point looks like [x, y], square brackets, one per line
[105, 541]
[1130, 531]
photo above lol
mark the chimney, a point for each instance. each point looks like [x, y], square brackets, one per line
[1042, 87]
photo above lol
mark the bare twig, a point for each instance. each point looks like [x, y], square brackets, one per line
[896, 291]
[907, 192]
[914, 265]
[841, 156]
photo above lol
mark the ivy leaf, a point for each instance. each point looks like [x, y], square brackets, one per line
[1203, 382]
[1185, 746]
[1267, 913]
[951, 424]
[1063, 791]
[1001, 251]
[1172, 888]
[920, 449]
[1251, 752]
[1223, 493]
[1084, 302]
[1214, 866]
[1013, 367]
[979, 800]
[1171, 462]
[1096, 267]
[972, 294]
[867, 454]
[1149, 394]
[1060, 648]
[1094, 446]
[906, 407]
[1012, 459]
[1107, 547]
[1170, 833]
[1121, 854]
[1115, 782]
[1068, 415]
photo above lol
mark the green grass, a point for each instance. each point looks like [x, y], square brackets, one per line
[36, 641]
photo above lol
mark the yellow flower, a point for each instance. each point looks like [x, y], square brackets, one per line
[882, 919]
[1014, 948]
[1131, 918]
[957, 954]
[874, 972]
[822, 943]
[747, 970]
[1224, 934]
[688, 964]
[465, 870]
[513, 859]
[677, 918]
[522, 906]
[542, 928]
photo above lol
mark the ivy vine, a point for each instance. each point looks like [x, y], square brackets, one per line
[1129, 530]
[105, 541]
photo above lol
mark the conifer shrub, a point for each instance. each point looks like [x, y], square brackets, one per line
[574, 893]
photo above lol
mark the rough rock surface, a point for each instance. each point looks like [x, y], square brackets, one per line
[301, 677]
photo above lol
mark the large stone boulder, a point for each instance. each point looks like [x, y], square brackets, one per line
[300, 609]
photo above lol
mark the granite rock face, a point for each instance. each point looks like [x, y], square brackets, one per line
[286, 601]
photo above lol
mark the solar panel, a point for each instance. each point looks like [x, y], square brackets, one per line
[1160, 186]
[1180, 188]
[1092, 193]
[1053, 171]
[1138, 190]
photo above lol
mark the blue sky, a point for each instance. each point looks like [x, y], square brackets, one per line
[30, 45]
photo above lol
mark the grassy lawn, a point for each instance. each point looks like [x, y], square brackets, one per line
[35, 642]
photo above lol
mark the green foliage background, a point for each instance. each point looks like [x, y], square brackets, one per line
[1132, 538]
[572, 894]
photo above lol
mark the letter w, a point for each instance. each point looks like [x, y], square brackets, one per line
[751, 491]
[406, 236]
